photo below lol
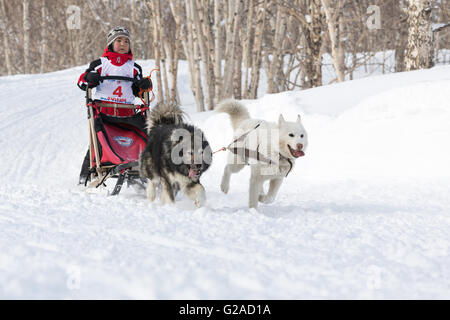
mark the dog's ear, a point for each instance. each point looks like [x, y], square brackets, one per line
[281, 120]
[299, 119]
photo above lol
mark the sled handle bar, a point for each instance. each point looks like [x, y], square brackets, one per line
[117, 78]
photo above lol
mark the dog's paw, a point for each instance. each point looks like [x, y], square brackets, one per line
[165, 198]
[225, 186]
[151, 191]
[253, 205]
[163, 201]
[200, 197]
[266, 199]
[199, 202]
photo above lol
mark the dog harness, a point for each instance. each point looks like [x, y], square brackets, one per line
[247, 153]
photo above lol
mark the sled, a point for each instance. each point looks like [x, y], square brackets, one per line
[115, 143]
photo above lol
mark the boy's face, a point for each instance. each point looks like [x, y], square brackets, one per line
[121, 45]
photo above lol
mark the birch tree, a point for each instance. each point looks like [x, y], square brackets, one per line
[310, 20]
[26, 36]
[335, 28]
[44, 37]
[234, 22]
[192, 50]
[203, 45]
[172, 49]
[206, 20]
[155, 15]
[177, 10]
[217, 50]
[277, 57]
[257, 49]
[419, 52]
[4, 26]
[247, 48]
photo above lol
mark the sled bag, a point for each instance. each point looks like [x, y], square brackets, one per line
[121, 140]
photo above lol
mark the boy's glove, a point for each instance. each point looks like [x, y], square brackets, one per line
[144, 84]
[93, 78]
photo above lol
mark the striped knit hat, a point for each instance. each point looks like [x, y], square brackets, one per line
[116, 33]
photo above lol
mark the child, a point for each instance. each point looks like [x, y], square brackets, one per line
[117, 60]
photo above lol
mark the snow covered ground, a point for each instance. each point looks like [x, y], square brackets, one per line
[365, 214]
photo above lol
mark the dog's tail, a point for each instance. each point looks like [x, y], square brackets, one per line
[237, 111]
[165, 113]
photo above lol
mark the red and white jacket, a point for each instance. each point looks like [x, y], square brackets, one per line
[114, 91]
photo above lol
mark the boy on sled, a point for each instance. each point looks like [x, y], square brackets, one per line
[116, 62]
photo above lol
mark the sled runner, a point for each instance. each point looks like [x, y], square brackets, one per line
[115, 143]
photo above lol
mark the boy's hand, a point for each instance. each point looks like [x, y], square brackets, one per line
[144, 84]
[93, 78]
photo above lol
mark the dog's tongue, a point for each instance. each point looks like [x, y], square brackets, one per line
[298, 153]
[192, 173]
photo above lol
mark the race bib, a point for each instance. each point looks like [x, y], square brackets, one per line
[115, 91]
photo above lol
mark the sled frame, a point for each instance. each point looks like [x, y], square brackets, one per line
[123, 172]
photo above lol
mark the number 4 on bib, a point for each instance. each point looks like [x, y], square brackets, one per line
[118, 91]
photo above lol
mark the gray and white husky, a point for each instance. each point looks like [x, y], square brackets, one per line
[175, 157]
[269, 148]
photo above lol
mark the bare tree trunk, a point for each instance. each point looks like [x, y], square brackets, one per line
[217, 51]
[202, 44]
[173, 71]
[190, 59]
[228, 19]
[165, 80]
[400, 37]
[144, 33]
[206, 25]
[419, 52]
[26, 36]
[257, 54]
[336, 48]
[237, 80]
[400, 47]
[313, 46]
[176, 13]
[247, 47]
[280, 29]
[310, 35]
[166, 43]
[400, 52]
[193, 51]
[174, 96]
[280, 76]
[340, 48]
[155, 11]
[5, 37]
[205, 18]
[172, 51]
[133, 29]
[231, 48]
[44, 37]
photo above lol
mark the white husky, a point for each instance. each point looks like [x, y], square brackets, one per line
[269, 148]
